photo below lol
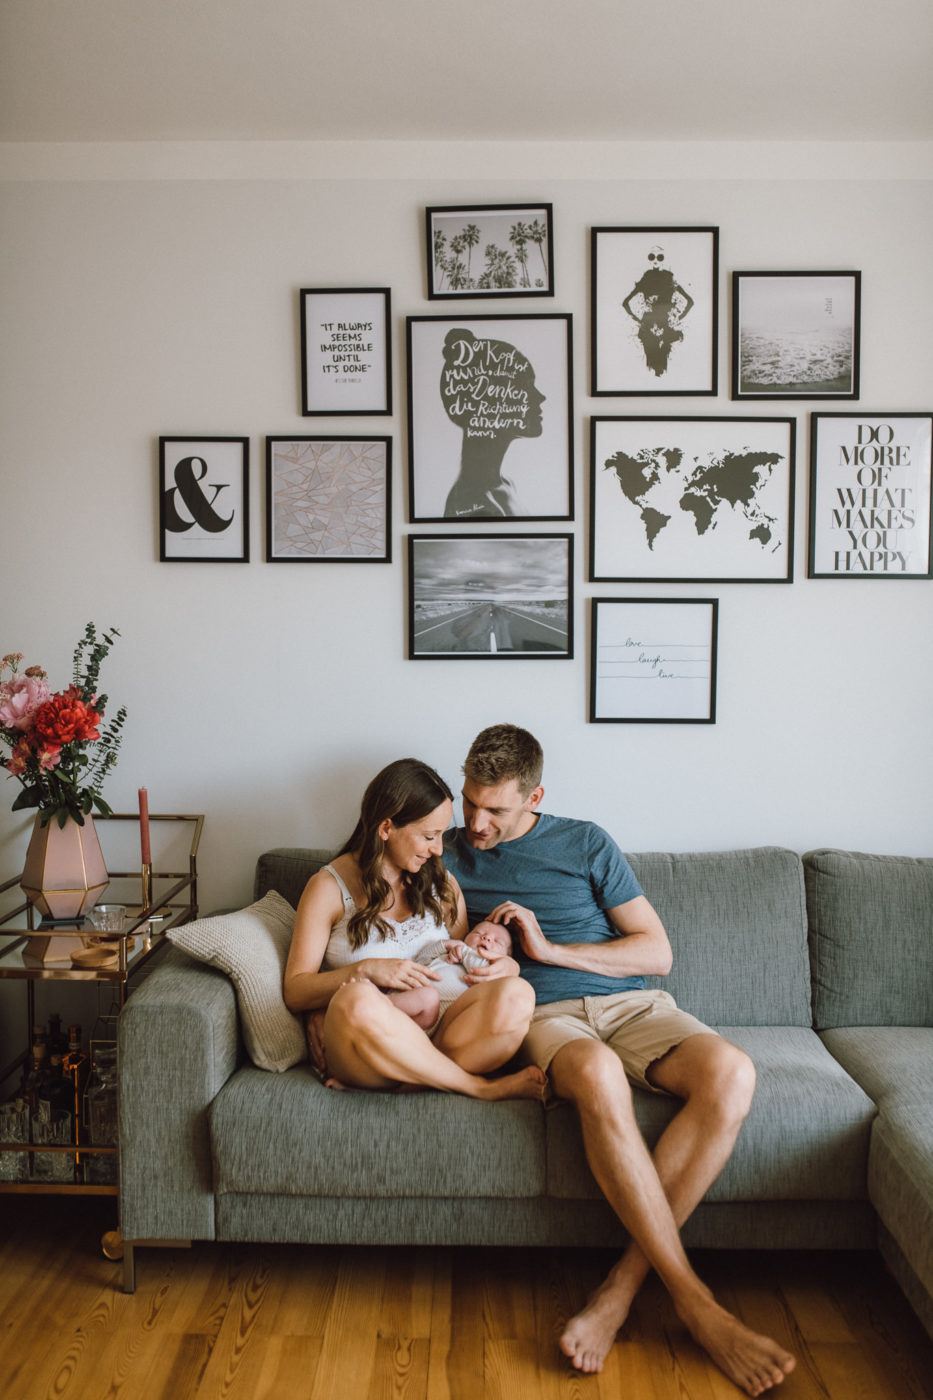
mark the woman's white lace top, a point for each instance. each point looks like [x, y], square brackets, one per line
[406, 940]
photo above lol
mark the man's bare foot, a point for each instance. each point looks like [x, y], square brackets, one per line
[589, 1337]
[754, 1363]
[529, 1083]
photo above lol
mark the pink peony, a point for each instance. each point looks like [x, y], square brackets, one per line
[20, 698]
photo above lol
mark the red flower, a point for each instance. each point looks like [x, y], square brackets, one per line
[65, 718]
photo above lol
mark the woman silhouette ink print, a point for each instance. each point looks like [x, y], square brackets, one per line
[660, 306]
[488, 390]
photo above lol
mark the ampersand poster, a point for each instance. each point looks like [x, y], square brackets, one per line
[203, 500]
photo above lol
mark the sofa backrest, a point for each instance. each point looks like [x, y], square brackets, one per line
[871, 938]
[288, 869]
[737, 925]
[736, 921]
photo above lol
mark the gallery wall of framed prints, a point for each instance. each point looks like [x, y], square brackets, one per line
[703, 496]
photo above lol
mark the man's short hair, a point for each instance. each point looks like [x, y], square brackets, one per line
[503, 752]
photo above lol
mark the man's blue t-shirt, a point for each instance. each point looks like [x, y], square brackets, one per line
[568, 873]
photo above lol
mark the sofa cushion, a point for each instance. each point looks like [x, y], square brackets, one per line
[288, 1135]
[891, 1063]
[737, 925]
[859, 908]
[806, 1137]
[900, 1181]
[251, 947]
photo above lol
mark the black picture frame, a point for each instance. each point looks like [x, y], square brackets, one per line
[653, 660]
[796, 335]
[871, 496]
[203, 500]
[654, 311]
[328, 499]
[490, 597]
[453, 231]
[346, 351]
[692, 500]
[487, 395]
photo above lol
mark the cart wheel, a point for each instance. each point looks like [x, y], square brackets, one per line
[111, 1245]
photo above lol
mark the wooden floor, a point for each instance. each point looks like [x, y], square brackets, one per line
[282, 1322]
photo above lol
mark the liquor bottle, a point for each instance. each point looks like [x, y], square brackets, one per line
[76, 1068]
[57, 1039]
[53, 1122]
[36, 1073]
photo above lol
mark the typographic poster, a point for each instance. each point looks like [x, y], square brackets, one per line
[345, 351]
[870, 496]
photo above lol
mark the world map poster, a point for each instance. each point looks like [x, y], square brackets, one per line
[681, 499]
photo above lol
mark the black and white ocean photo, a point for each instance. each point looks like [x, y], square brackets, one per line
[795, 335]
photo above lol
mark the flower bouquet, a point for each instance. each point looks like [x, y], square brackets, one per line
[50, 734]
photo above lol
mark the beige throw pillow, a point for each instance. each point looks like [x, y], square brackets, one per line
[251, 947]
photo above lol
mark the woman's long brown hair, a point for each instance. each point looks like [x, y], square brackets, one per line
[404, 792]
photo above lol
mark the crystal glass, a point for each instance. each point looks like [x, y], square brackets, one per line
[108, 918]
[14, 1127]
[50, 1126]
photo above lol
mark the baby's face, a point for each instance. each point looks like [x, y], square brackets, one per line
[490, 940]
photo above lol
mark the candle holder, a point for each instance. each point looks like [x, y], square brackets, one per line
[147, 885]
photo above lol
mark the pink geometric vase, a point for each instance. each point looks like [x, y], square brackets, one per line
[64, 874]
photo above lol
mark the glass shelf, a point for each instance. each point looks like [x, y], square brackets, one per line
[33, 950]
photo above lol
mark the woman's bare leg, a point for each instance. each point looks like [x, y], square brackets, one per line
[420, 1003]
[486, 1025]
[373, 1045]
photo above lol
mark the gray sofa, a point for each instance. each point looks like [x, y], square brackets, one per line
[820, 967]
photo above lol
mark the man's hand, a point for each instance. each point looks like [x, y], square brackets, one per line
[522, 922]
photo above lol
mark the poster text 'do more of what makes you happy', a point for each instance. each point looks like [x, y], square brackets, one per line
[870, 496]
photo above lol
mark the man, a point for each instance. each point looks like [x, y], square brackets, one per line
[588, 937]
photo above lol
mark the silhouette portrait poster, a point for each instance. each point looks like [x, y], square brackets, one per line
[654, 311]
[489, 418]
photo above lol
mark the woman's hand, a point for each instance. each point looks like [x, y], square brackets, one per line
[503, 966]
[393, 974]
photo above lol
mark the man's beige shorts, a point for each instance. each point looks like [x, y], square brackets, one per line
[639, 1026]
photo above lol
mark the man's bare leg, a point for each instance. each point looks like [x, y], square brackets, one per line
[592, 1078]
[716, 1082]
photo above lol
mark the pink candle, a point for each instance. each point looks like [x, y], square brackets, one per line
[144, 826]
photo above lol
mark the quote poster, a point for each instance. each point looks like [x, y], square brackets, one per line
[870, 496]
[345, 351]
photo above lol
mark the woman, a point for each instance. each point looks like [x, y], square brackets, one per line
[361, 921]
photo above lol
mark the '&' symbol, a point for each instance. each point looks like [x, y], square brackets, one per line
[194, 498]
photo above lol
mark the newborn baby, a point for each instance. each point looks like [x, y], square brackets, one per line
[453, 959]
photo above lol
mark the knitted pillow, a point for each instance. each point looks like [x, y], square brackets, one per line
[251, 947]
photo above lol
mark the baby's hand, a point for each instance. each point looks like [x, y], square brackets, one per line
[455, 948]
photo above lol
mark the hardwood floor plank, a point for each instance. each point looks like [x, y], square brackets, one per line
[262, 1322]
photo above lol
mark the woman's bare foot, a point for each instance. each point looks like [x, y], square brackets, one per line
[529, 1083]
[754, 1363]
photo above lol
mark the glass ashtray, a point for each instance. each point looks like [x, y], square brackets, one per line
[108, 918]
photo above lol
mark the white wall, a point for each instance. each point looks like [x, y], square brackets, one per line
[151, 289]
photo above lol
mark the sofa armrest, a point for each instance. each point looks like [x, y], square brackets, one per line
[178, 1038]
